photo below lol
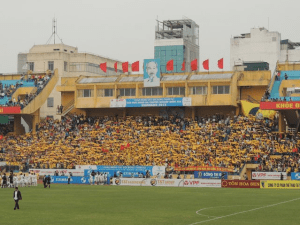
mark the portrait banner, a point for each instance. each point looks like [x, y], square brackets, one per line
[151, 72]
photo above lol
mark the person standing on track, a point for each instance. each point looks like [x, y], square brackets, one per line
[17, 196]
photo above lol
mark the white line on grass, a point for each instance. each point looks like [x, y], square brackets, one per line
[233, 214]
[197, 212]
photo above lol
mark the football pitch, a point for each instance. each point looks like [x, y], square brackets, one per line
[79, 204]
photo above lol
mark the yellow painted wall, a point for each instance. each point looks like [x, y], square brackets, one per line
[254, 92]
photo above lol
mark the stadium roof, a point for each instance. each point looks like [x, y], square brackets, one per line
[225, 76]
[174, 77]
[98, 80]
[131, 79]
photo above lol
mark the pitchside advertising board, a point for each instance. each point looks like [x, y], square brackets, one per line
[295, 176]
[167, 182]
[73, 180]
[268, 175]
[210, 174]
[127, 171]
[240, 184]
[280, 184]
[150, 102]
[51, 172]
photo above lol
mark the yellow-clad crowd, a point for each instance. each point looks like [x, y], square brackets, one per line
[149, 140]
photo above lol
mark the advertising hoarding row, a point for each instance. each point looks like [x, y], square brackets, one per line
[73, 180]
[42, 172]
[295, 176]
[167, 182]
[268, 175]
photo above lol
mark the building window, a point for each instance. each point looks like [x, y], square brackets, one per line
[66, 66]
[86, 93]
[105, 92]
[50, 102]
[127, 92]
[217, 90]
[176, 91]
[31, 66]
[51, 65]
[201, 90]
[152, 91]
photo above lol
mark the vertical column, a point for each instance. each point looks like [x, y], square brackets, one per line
[18, 128]
[137, 94]
[281, 123]
[35, 120]
[193, 112]
[208, 93]
[95, 96]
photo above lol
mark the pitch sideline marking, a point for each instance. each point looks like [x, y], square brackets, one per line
[233, 214]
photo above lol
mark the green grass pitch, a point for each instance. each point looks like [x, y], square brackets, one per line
[79, 204]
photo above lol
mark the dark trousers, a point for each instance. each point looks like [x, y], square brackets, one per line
[69, 180]
[17, 204]
[45, 185]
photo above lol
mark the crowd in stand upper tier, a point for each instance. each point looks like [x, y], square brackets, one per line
[213, 141]
[7, 90]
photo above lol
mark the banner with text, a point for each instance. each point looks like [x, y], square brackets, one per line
[240, 184]
[73, 180]
[280, 184]
[51, 172]
[280, 105]
[150, 102]
[210, 175]
[167, 182]
[203, 168]
[10, 110]
[268, 175]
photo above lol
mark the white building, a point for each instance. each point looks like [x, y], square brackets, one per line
[262, 45]
[70, 64]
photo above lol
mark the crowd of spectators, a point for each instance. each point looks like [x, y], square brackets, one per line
[148, 140]
[8, 90]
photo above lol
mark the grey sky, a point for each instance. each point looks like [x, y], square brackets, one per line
[124, 29]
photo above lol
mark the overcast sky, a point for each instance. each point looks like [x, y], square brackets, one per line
[124, 29]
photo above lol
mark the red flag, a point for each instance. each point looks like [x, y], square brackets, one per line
[206, 64]
[1, 137]
[183, 66]
[116, 67]
[220, 63]
[170, 65]
[194, 65]
[125, 67]
[122, 147]
[135, 66]
[103, 67]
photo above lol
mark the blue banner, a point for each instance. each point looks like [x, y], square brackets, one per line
[295, 176]
[210, 175]
[157, 102]
[73, 180]
[126, 171]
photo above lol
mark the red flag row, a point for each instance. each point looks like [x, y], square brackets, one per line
[169, 67]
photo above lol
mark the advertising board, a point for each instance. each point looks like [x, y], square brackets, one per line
[268, 175]
[210, 175]
[295, 176]
[280, 184]
[203, 168]
[10, 110]
[150, 102]
[280, 105]
[73, 180]
[50, 172]
[240, 184]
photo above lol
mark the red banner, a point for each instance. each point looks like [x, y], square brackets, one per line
[240, 184]
[10, 110]
[279, 105]
[203, 168]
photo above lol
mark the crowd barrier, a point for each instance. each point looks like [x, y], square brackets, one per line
[167, 182]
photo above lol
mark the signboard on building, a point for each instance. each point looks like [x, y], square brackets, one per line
[295, 176]
[151, 72]
[150, 102]
[268, 175]
[280, 105]
[10, 110]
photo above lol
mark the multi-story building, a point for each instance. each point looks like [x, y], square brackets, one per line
[70, 64]
[262, 45]
[176, 40]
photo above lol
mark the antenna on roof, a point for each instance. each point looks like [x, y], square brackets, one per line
[54, 32]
